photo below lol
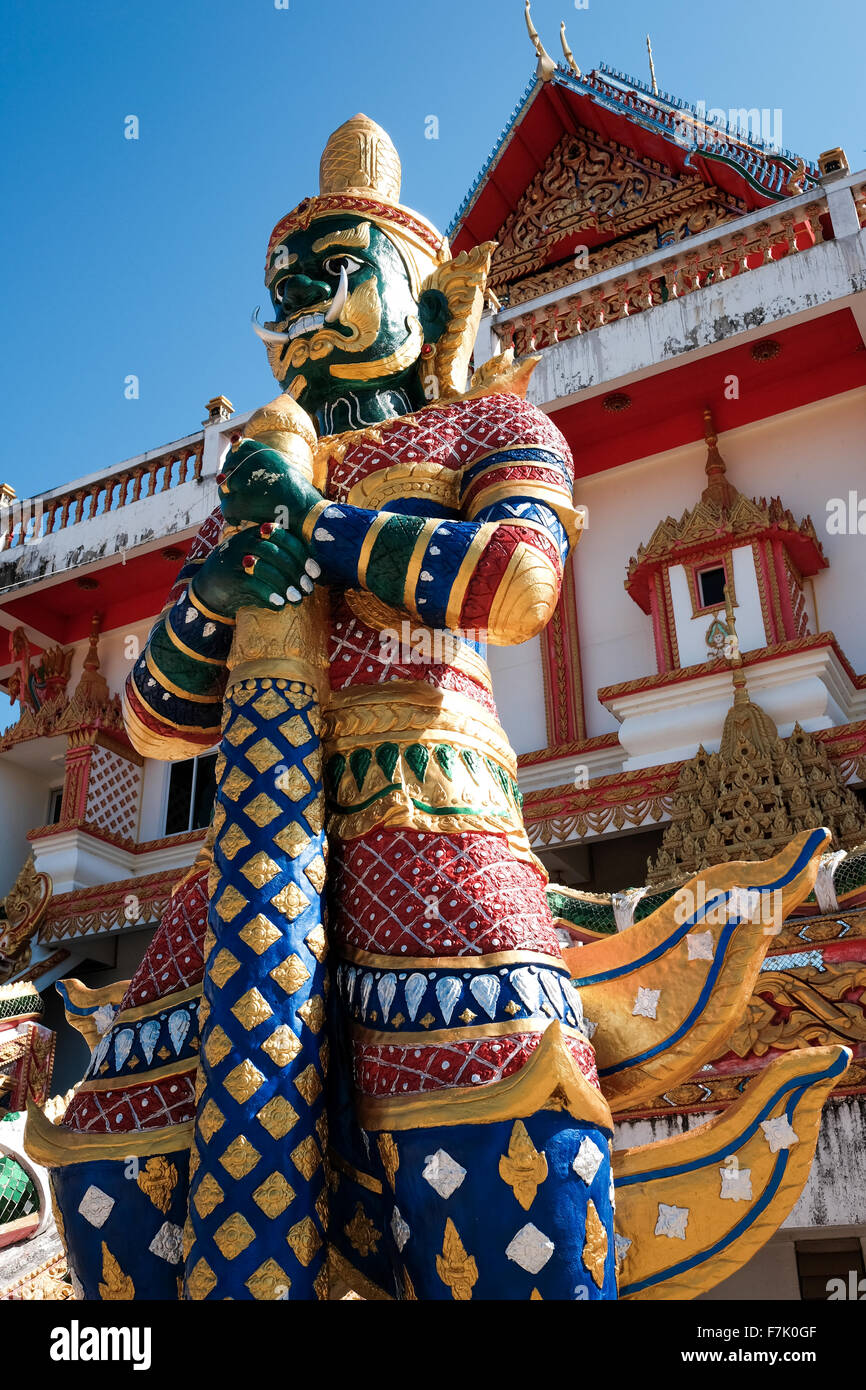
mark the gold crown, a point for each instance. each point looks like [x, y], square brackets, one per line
[360, 154]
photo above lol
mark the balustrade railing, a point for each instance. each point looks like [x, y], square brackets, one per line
[25, 520]
[682, 270]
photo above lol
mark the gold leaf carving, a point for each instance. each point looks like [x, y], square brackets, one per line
[208, 1195]
[251, 1009]
[210, 1120]
[313, 1013]
[290, 901]
[201, 1282]
[317, 942]
[277, 1117]
[362, 1233]
[292, 840]
[274, 1195]
[305, 1240]
[260, 934]
[243, 1081]
[240, 1157]
[269, 1282]
[306, 1157]
[260, 869]
[116, 1286]
[217, 1047]
[290, 974]
[455, 1267]
[158, 1179]
[524, 1169]
[595, 1244]
[234, 1235]
[282, 1046]
[262, 810]
[309, 1084]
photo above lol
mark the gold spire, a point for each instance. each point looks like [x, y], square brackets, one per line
[360, 154]
[546, 66]
[744, 720]
[747, 800]
[718, 489]
[92, 685]
[649, 49]
[569, 56]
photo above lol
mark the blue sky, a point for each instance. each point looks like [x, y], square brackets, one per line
[145, 257]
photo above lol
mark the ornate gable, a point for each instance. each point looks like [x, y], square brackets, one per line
[604, 194]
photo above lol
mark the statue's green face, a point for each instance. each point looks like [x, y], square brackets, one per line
[342, 294]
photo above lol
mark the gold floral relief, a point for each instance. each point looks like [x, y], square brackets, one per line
[595, 1244]
[116, 1286]
[455, 1267]
[362, 1233]
[158, 1180]
[523, 1168]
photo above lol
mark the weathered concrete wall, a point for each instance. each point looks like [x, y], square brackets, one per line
[746, 306]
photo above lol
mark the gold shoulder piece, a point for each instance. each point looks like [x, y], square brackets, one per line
[692, 1210]
[550, 1080]
[502, 376]
[54, 1146]
[85, 1002]
[666, 993]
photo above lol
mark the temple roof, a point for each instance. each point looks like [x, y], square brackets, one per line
[621, 108]
[602, 155]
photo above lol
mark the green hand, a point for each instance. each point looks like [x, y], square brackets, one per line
[260, 484]
[259, 567]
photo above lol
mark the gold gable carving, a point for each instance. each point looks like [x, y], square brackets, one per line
[710, 519]
[588, 184]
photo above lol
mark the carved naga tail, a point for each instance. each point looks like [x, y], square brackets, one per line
[258, 1200]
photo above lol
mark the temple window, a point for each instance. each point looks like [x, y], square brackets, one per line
[55, 802]
[710, 584]
[191, 790]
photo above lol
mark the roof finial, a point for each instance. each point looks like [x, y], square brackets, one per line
[569, 56]
[649, 49]
[546, 66]
[718, 488]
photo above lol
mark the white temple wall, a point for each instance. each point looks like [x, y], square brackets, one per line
[24, 797]
[806, 456]
[518, 689]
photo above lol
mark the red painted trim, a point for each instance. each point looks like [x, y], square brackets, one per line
[820, 358]
[784, 590]
[567, 750]
[771, 629]
[658, 631]
[95, 832]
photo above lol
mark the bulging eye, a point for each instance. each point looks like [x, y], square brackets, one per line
[334, 264]
[278, 288]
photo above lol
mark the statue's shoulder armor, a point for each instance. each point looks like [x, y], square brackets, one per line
[437, 441]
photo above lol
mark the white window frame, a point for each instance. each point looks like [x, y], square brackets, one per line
[169, 834]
